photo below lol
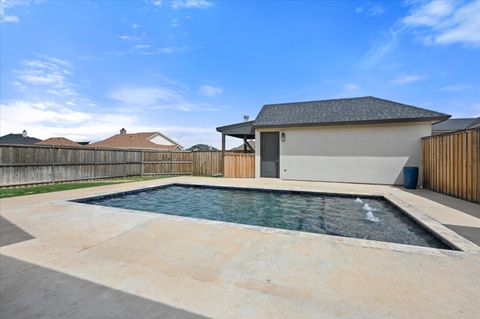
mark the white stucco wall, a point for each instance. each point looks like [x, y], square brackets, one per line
[353, 154]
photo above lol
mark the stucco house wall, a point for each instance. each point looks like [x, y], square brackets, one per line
[373, 153]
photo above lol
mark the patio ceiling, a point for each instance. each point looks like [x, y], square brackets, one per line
[242, 130]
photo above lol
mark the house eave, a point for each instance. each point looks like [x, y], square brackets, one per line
[384, 121]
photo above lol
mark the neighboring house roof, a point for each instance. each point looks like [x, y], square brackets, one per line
[18, 139]
[242, 146]
[136, 140]
[201, 148]
[360, 110]
[60, 141]
[452, 125]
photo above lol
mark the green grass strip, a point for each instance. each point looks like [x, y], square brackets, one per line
[30, 190]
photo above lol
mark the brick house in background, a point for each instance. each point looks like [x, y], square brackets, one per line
[145, 140]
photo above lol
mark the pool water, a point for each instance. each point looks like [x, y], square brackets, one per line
[371, 218]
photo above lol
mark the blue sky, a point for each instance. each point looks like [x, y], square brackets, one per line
[85, 69]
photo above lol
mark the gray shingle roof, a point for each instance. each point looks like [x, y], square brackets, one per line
[18, 139]
[343, 111]
[456, 124]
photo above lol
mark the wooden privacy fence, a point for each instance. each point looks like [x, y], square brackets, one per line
[450, 164]
[207, 164]
[27, 164]
[166, 163]
[239, 165]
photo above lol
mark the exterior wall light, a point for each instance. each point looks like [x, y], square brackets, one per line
[282, 135]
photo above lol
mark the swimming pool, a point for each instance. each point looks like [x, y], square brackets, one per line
[364, 217]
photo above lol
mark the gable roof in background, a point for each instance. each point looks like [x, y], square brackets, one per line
[60, 141]
[202, 148]
[18, 139]
[135, 140]
[241, 147]
[452, 125]
[360, 110]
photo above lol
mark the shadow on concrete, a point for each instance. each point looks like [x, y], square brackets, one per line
[472, 209]
[43, 293]
[470, 233]
[11, 233]
[464, 206]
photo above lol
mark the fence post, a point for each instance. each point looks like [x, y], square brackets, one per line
[171, 163]
[95, 163]
[124, 163]
[143, 160]
[53, 164]
[223, 155]
[192, 154]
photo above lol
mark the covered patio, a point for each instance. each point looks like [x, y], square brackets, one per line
[243, 130]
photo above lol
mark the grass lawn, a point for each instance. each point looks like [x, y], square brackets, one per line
[20, 191]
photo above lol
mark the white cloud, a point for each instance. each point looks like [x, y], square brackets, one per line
[407, 78]
[46, 110]
[6, 5]
[34, 112]
[46, 94]
[381, 48]
[175, 23]
[209, 90]
[351, 87]
[157, 3]
[157, 98]
[447, 22]
[127, 37]
[376, 10]
[143, 96]
[48, 74]
[13, 19]
[344, 89]
[147, 49]
[430, 14]
[135, 26]
[459, 108]
[434, 22]
[190, 4]
[141, 46]
[454, 88]
[48, 119]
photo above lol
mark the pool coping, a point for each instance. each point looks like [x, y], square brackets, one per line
[446, 235]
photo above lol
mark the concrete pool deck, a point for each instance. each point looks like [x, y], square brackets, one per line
[62, 259]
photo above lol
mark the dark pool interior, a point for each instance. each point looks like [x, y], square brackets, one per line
[364, 217]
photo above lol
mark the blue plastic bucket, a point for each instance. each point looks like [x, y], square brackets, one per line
[410, 177]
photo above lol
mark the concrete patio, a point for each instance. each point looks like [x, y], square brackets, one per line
[62, 259]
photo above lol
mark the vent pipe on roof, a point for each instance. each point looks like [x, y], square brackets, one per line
[24, 133]
[246, 118]
[123, 131]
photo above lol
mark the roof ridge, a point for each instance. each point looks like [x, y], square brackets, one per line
[411, 106]
[325, 100]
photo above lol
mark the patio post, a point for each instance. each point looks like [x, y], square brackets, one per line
[223, 154]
